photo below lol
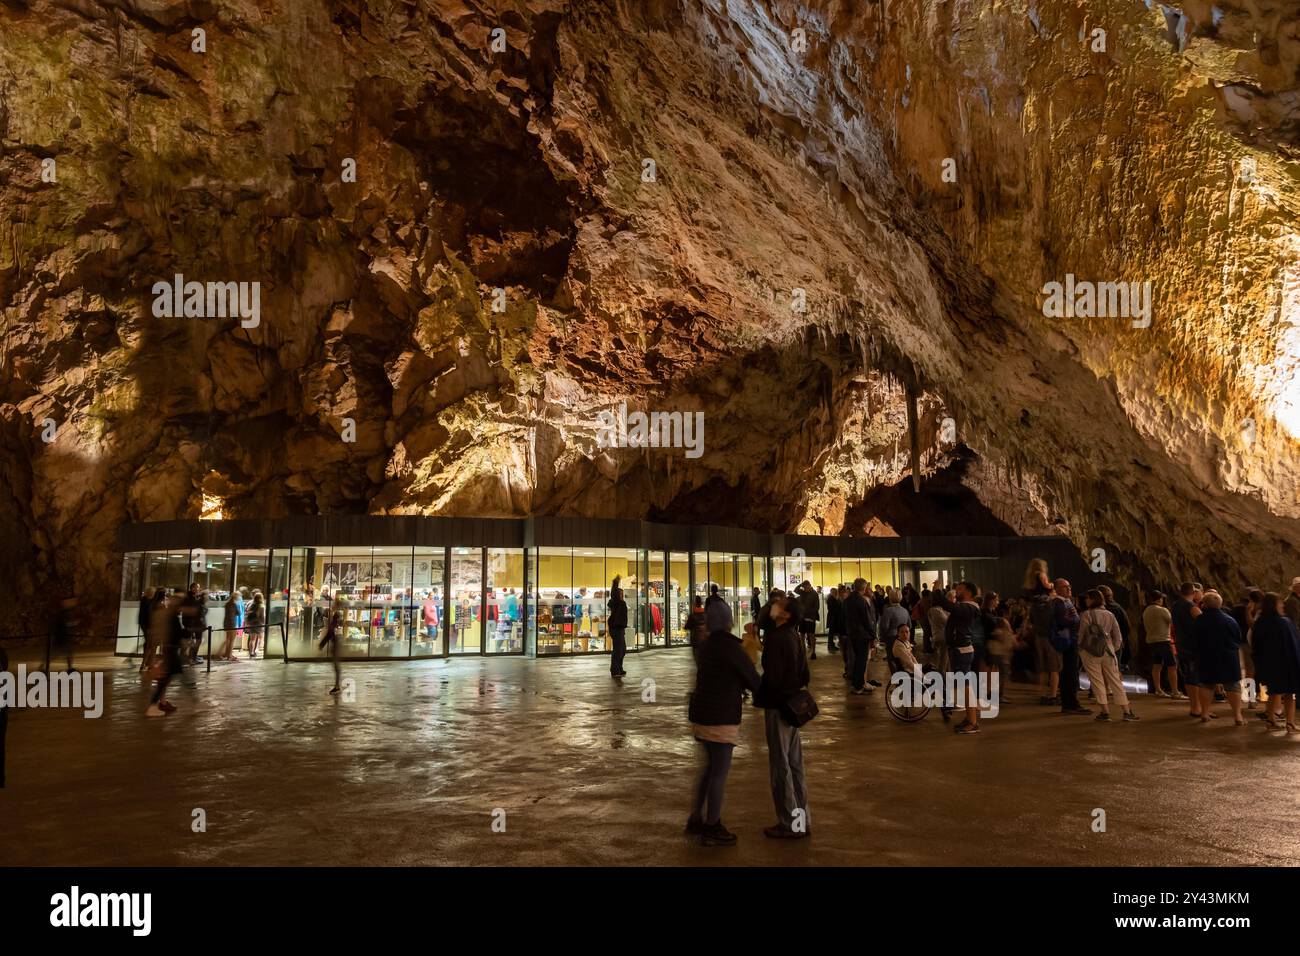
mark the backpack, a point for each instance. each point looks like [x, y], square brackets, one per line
[1042, 616]
[1094, 640]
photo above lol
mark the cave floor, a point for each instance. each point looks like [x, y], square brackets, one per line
[587, 774]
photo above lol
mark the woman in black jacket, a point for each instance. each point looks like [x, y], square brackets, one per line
[722, 671]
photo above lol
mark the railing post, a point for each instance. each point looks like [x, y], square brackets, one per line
[284, 643]
[209, 648]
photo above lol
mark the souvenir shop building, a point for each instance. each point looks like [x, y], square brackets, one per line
[419, 587]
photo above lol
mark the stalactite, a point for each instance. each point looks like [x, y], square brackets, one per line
[914, 439]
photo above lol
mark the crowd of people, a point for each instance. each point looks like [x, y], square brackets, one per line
[1197, 650]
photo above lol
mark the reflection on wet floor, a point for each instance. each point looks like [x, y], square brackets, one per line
[580, 769]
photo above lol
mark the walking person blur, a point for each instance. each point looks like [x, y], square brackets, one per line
[1066, 620]
[168, 634]
[61, 632]
[999, 643]
[938, 630]
[1039, 628]
[4, 718]
[723, 673]
[150, 643]
[860, 620]
[695, 624]
[960, 636]
[810, 611]
[1100, 640]
[255, 624]
[334, 639]
[617, 628]
[1277, 661]
[1159, 626]
[785, 674]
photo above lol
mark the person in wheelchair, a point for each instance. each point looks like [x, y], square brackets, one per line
[900, 652]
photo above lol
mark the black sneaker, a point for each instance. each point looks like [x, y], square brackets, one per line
[1103, 717]
[717, 835]
[874, 683]
[694, 827]
[1129, 715]
[968, 729]
[779, 832]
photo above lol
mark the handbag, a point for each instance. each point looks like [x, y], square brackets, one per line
[799, 709]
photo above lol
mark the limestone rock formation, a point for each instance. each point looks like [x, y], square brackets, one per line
[789, 216]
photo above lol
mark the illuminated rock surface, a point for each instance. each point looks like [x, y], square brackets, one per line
[1170, 157]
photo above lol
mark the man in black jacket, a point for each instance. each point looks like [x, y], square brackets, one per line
[617, 630]
[834, 619]
[860, 622]
[964, 617]
[785, 673]
[810, 612]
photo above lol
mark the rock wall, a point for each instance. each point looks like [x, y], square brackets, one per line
[689, 206]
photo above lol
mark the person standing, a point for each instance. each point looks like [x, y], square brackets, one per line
[1291, 608]
[194, 614]
[785, 674]
[755, 605]
[723, 672]
[810, 614]
[1216, 639]
[892, 618]
[717, 612]
[860, 621]
[617, 629]
[1159, 626]
[1277, 660]
[229, 628]
[1066, 621]
[1184, 614]
[938, 629]
[1117, 611]
[255, 624]
[1100, 631]
[834, 621]
[999, 643]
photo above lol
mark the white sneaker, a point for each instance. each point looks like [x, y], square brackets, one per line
[1162, 693]
[155, 711]
[1179, 696]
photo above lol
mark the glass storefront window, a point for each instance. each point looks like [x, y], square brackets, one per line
[428, 578]
[626, 564]
[129, 635]
[590, 591]
[656, 623]
[392, 621]
[505, 585]
[679, 594]
[466, 601]
[277, 603]
[553, 588]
